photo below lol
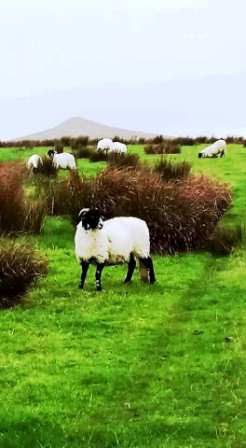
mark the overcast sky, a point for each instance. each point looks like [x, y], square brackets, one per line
[133, 63]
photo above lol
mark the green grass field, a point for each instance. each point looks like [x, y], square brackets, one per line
[135, 366]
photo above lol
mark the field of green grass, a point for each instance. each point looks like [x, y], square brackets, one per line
[135, 366]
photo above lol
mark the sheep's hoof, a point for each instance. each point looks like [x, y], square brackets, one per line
[99, 288]
[81, 286]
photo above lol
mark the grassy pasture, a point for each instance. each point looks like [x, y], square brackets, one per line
[134, 366]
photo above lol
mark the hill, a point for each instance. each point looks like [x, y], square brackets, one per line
[76, 126]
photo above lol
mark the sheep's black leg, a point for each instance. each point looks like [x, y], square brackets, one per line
[85, 266]
[131, 267]
[148, 263]
[99, 269]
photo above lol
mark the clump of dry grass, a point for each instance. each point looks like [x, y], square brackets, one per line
[20, 265]
[164, 147]
[79, 142]
[83, 152]
[46, 167]
[225, 239]
[17, 212]
[12, 204]
[181, 214]
[121, 160]
[169, 169]
[98, 156]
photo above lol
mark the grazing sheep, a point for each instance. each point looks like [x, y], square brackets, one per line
[104, 145]
[117, 240]
[51, 152]
[33, 162]
[119, 147]
[217, 149]
[63, 160]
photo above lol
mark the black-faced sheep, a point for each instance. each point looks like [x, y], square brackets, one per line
[63, 160]
[110, 242]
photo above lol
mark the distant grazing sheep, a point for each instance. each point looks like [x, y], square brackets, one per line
[51, 152]
[117, 240]
[119, 147]
[33, 162]
[63, 160]
[217, 149]
[104, 145]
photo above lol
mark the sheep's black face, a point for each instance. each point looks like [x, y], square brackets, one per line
[91, 219]
[51, 153]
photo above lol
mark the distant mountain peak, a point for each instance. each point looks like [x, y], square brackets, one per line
[78, 126]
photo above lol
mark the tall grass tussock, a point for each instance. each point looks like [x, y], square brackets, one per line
[120, 160]
[46, 168]
[113, 158]
[83, 152]
[98, 156]
[18, 213]
[167, 169]
[181, 213]
[164, 147]
[20, 265]
[224, 240]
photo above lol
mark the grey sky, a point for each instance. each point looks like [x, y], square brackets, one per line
[55, 51]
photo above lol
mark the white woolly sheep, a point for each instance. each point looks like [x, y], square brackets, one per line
[118, 147]
[64, 160]
[217, 149]
[110, 242]
[33, 162]
[104, 145]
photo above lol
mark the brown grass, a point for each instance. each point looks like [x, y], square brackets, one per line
[83, 152]
[98, 156]
[17, 213]
[168, 169]
[20, 265]
[46, 168]
[225, 239]
[164, 147]
[123, 160]
[181, 214]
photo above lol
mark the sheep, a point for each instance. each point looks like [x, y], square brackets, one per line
[217, 149]
[118, 147]
[63, 160]
[51, 152]
[104, 145]
[33, 162]
[110, 242]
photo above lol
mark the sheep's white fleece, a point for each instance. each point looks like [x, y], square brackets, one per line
[64, 160]
[118, 147]
[114, 243]
[34, 161]
[105, 144]
[214, 149]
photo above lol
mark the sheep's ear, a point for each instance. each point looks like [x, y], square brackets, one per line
[83, 212]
